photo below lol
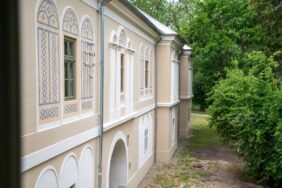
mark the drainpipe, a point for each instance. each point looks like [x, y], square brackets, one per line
[156, 96]
[102, 6]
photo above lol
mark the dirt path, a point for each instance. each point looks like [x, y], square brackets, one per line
[221, 167]
[201, 161]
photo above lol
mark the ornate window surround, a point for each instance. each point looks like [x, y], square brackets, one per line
[87, 64]
[70, 28]
[51, 114]
[47, 61]
[119, 44]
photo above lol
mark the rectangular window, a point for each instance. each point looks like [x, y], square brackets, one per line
[146, 140]
[146, 74]
[122, 73]
[69, 68]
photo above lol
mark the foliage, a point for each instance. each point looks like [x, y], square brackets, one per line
[219, 31]
[269, 16]
[247, 110]
[174, 14]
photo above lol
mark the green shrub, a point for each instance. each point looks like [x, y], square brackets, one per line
[246, 109]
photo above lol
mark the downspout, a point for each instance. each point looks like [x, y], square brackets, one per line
[156, 96]
[100, 172]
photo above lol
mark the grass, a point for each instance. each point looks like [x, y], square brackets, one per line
[182, 173]
[203, 135]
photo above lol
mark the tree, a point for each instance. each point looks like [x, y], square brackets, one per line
[158, 9]
[269, 17]
[218, 31]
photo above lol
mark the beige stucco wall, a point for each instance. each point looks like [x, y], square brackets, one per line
[37, 137]
[29, 177]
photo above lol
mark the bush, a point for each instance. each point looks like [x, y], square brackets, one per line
[246, 109]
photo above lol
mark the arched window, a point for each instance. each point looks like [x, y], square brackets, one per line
[70, 22]
[122, 38]
[87, 64]
[71, 32]
[48, 60]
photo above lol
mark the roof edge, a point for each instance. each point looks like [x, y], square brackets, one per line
[145, 19]
[140, 15]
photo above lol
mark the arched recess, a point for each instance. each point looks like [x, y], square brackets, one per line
[121, 36]
[113, 37]
[87, 64]
[86, 168]
[48, 68]
[69, 172]
[70, 21]
[47, 178]
[117, 169]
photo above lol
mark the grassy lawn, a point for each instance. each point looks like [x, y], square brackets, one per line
[183, 170]
[203, 135]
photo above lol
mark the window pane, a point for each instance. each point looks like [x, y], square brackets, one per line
[71, 88]
[121, 73]
[146, 74]
[66, 70]
[69, 68]
[65, 47]
[71, 46]
[66, 89]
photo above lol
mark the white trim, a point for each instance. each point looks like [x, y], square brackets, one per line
[43, 172]
[186, 97]
[40, 156]
[33, 159]
[91, 3]
[168, 104]
[112, 124]
[145, 110]
[80, 173]
[118, 136]
[69, 156]
[128, 25]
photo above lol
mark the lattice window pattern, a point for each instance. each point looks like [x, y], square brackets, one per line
[122, 38]
[70, 22]
[48, 14]
[48, 53]
[87, 66]
[87, 30]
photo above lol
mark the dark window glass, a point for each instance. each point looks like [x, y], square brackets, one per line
[69, 68]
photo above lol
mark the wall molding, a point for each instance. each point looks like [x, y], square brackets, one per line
[169, 104]
[128, 25]
[186, 97]
[33, 159]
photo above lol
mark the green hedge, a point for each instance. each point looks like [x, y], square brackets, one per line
[247, 111]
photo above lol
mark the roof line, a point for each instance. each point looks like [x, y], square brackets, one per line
[141, 15]
[149, 22]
